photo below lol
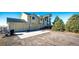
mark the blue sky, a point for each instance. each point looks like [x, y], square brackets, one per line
[4, 15]
[63, 15]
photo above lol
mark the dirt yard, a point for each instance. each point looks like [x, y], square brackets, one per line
[46, 39]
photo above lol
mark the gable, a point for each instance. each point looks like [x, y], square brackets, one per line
[24, 16]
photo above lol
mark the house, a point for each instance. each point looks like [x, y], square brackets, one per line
[29, 22]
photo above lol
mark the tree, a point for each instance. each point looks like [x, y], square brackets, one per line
[72, 24]
[58, 24]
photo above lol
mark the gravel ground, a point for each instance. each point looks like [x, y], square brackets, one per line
[45, 39]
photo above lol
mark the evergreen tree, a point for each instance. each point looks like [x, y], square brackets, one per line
[72, 24]
[58, 24]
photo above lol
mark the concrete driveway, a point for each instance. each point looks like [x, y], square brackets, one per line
[23, 35]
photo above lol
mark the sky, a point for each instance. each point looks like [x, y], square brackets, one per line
[63, 15]
[4, 15]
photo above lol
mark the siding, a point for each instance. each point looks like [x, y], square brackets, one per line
[18, 26]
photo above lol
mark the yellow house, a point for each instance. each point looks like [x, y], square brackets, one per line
[29, 22]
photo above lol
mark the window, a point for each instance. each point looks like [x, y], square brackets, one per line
[33, 17]
[46, 18]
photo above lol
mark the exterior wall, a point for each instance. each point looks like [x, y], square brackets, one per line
[33, 23]
[45, 22]
[30, 24]
[18, 26]
[41, 22]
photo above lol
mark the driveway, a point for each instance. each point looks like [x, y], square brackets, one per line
[23, 35]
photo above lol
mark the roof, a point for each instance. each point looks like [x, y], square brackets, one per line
[15, 20]
[27, 13]
[38, 14]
